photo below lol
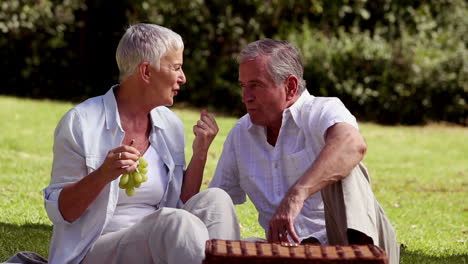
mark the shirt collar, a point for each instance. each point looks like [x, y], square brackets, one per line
[112, 112]
[158, 118]
[110, 109]
[293, 110]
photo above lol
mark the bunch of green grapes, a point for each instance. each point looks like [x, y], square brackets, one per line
[132, 180]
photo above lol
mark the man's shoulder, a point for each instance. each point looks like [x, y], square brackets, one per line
[314, 109]
[242, 124]
[239, 128]
[317, 106]
[319, 102]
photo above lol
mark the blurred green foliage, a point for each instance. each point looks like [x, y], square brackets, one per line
[390, 61]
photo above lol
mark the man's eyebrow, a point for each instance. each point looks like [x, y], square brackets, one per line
[251, 82]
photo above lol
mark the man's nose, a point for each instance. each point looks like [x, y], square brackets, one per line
[247, 96]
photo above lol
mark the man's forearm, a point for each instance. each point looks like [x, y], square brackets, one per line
[343, 150]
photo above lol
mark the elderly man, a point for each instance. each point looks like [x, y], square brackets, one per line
[298, 158]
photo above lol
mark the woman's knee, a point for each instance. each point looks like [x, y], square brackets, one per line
[217, 195]
[171, 220]
[177, 235]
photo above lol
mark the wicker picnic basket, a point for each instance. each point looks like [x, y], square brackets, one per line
[235, 251]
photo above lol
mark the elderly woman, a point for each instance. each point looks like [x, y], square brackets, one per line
[167, 220]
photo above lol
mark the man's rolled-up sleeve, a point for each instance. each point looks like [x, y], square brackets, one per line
[227, 175]
[333, 111]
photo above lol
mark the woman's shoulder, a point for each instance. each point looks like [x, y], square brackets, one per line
[85, 111]
[90, 105]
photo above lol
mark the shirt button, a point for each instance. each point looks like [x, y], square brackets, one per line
[276, 165]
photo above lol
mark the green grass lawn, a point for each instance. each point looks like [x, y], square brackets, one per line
[419, 175]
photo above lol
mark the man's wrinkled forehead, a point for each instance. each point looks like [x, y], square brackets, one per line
[254, 69]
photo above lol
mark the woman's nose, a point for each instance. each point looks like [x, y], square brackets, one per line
[182, 79]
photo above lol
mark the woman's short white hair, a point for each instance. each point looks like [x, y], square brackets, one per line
[144, 42]
[284, 59]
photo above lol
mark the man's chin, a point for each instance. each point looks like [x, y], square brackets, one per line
[255, 120]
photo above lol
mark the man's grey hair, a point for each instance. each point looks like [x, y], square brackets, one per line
[285, 59]
[144, 42]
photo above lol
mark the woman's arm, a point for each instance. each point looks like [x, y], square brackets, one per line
[205, 131]
[76, 197]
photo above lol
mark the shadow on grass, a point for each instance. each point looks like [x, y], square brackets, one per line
[416, 257]
[27, 237]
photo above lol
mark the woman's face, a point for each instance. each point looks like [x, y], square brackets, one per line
[167, 80]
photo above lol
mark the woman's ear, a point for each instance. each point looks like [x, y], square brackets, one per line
[292, 85]
[144, 71]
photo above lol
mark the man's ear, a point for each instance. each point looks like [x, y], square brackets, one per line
[144, 71]
[292, 85]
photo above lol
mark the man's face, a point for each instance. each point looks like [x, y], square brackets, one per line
[264, 100]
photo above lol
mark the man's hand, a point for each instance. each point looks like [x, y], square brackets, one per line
[205, 131]
[282, 223]
[345, 146]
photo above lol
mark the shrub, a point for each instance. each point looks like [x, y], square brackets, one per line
[391, 61]
[405, 81]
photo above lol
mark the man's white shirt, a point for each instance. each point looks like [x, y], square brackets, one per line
[249, 165]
